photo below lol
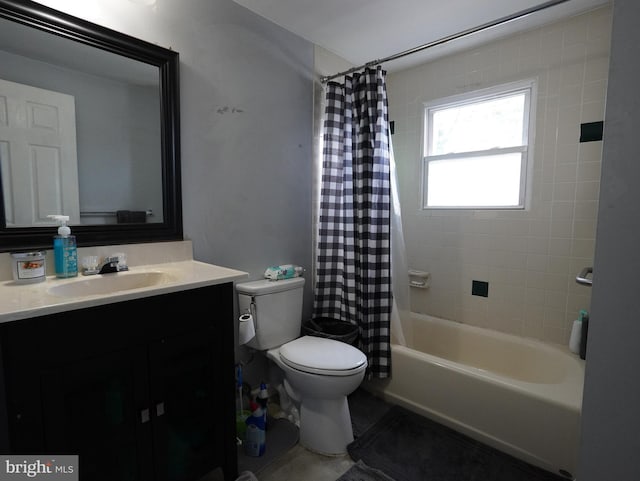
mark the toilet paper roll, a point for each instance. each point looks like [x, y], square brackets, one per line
[246, 329]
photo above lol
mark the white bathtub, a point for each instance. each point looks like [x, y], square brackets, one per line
[518, 395]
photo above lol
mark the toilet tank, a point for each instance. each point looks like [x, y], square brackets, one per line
[276, 307]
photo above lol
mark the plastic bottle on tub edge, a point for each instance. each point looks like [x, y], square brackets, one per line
[584, 316]
[576, 336]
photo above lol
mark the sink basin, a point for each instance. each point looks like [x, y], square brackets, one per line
[109, 283]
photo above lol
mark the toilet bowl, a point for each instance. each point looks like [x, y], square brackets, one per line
[319, 373]
[322, 373]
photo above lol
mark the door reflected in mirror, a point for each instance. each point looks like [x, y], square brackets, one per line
[110, 117]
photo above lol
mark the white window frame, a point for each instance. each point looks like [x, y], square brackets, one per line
[529, 88]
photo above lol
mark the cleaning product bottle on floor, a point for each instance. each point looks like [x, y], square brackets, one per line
[242, 413]
[263, 400]
[255, 437]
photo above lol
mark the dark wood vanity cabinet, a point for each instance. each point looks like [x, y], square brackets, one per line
[140, 390]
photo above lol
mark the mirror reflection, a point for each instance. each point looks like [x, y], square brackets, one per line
[80, 132]
[89, 128]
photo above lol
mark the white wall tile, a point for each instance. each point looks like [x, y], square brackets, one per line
[530, 258]
[587, 191]
[589, 171]
[592, 111]
[594, 91]
[560, 247]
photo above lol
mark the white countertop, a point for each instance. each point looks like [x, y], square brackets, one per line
[22, 301]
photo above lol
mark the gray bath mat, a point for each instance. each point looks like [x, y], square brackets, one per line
[366, 409]
[409, 447]
[361, 472]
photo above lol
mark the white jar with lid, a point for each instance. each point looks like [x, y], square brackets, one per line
[28, 267]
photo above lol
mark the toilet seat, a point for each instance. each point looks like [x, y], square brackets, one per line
[318, 355]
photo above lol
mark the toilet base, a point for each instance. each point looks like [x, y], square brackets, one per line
[325, 426]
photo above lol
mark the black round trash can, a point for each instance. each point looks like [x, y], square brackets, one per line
[331, 329]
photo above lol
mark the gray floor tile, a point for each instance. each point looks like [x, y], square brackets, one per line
[300, 464]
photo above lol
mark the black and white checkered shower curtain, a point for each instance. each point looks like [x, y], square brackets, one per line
[353, 272]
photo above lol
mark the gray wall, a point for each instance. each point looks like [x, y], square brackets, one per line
[246, 139]
[611, 407]
[246, 90]
[246, 126]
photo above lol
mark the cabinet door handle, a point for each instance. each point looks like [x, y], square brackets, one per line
[145, 416]
[159, 409]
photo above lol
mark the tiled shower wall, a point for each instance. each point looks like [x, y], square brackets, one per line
[529, 258]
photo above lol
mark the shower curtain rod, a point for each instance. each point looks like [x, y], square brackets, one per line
[455, 36]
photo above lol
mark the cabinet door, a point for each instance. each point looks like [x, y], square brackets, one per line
[95, 408]
[139, 398]
[184, 404]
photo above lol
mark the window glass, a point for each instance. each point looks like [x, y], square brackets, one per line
[477, 152]
[479, 125]
[489, 181]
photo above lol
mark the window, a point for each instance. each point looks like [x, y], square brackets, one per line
[476, 148]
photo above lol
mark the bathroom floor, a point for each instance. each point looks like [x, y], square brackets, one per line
[301, 464]
[298, 463]
[294, 463]
[286, 460]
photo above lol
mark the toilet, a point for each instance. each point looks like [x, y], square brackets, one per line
[319, 373]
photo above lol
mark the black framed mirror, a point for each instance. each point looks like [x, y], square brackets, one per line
[128, 162]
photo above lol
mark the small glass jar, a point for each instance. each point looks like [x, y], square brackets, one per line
[29, 267]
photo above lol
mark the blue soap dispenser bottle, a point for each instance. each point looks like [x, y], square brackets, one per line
[65, 252]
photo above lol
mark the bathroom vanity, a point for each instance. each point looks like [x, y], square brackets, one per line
[138, 382]
[131, 371]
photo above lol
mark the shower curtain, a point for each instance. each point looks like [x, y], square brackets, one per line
[353, 264]
[399, 265]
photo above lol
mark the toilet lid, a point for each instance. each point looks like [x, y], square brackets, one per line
[318, 355]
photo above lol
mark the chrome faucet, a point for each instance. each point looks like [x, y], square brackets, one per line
[113, 263]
